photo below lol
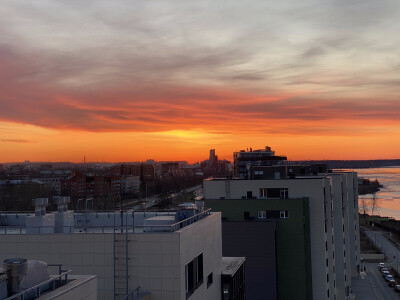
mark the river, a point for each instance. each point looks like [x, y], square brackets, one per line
[389, 196]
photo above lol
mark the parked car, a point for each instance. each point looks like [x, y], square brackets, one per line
[397, 288]
[392, 283]
[385, 273]
[381, 265]
[384, 269]
[389, 277]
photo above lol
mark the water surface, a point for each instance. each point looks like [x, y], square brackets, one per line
[389, 196]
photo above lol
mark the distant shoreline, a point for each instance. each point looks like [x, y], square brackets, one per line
[368, 187]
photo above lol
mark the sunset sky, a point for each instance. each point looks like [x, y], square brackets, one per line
[168, 80]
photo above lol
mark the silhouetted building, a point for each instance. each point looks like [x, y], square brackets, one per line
[147, 172]
[171, 168]
[243, 160]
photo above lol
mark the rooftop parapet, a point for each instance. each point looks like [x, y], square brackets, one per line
[103, 222]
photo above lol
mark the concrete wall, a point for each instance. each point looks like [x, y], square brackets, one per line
[339, 234]
[81, 288]
[318, 191]
[256, 242]
[156, 260]
[84, 254]
[292, 243]
[372, 256]
[206, 239]
[354, 223]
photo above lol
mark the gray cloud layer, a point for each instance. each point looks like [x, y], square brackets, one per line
[147, 65]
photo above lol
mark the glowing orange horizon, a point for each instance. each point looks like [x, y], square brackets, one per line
[27, 142]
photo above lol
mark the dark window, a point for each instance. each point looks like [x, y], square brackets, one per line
[209, 279]
[246, 215]
[199, 269]
[281, 193]
[273, 193]
[326, 262]
[284, 214]
[194, 275]
[273, 214]
[189, 270]
[249, 195]
[327, 277]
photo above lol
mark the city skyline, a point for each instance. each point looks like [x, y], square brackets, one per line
[128, 81]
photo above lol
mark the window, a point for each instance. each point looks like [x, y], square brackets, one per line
[277, 193]
[194, 275]
[273, 214]
[258, 172]
[246, 215]
[263, 193]
[284, 193]
[326, 262]
[262, 214]
[209, 279]
[284, 214]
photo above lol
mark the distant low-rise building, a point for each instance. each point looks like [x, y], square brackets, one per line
[243, 160]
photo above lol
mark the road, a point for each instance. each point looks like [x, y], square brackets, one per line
[370, 285]
[391, 252]
[379, 286]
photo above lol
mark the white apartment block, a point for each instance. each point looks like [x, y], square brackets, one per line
[149, 251]
[333, 214]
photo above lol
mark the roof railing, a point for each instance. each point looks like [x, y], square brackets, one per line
[85, 228]
[39, 288]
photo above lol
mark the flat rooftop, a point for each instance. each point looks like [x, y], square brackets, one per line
[104, 222]
[230, 265]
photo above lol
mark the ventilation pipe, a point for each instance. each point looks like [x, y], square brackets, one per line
[16, 270]
[40, 206]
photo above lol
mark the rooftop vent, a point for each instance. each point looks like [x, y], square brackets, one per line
[62, 203]
[16, 269]
[40, 206]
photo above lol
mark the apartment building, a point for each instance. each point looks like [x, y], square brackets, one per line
[172, 255]
[243, 160]
[316, 229]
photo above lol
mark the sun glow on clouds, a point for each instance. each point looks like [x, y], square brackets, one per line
[129, 81]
